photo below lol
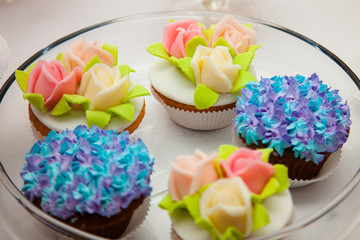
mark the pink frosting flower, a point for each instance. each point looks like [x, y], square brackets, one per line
[239, 36]
[189, 173]
[82, 52]
[247, 164]
[52, 81]
[177, 34]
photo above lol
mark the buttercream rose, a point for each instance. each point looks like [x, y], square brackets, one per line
[227, 203]
[239, 36]
[248, 165]
[52, 81]
[189, 173]
[177, 34]
[104, 86]
[82, 52]
[214, 68]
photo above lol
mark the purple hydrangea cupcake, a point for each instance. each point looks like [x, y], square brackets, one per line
[92, 179]
[302, 119]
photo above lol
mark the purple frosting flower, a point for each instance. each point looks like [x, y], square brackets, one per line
[87, 171]
[293, 112]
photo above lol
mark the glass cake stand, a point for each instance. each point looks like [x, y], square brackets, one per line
[284, 52]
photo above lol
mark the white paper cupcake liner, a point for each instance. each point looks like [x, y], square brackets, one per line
[198, 120]
[329, 166]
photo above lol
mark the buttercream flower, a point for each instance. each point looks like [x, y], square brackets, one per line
[82, 52]
[177, 34]
[227, 203]
[52, 81]
[189, 173]
[239, 36]
[214, 68]
[104, 86]
[248, 165]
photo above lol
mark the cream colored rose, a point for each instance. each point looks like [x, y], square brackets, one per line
[104, 86]
[214, 68]
[227, 203]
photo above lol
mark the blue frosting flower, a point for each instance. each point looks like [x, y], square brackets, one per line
[293, 112]
[87, 171]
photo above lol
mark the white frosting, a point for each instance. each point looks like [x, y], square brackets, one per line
[279, 207]
[172, 83]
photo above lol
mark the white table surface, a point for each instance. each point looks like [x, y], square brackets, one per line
[29, 25]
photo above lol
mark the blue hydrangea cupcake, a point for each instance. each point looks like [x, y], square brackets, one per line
[93, 180]
[301, 118]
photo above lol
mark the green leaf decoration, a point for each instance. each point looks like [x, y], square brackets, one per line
[60, 57]
[191, 45]
[158, 50]
[192, 204]
[243, 78]
[206, 225]
[232, 233]
[22, 79]
[226, 150]
[31, 67]
[98, 118]
[222, 42]
[208, 33]
[204, 97]
[125, 70]
[281, 174]
[174, 61]
[270, 188]
[91, 63]
[111, 49]
[265, 153]
[137, 91]
[125, 110]
[244, 60]
[249, 25]
[185, 66]
[260, 216]
[37, 100]
[166, 203]
[253, 48]
[63, 105]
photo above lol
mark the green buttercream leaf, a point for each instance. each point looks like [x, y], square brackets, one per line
[201, 25]
[22, 79]
[166, 203]
[125, 70]
[158, 50]
[137, 91]
[111, 49]
[204, 97]
[98, 118]
[244, 60]
[37, 100]
[248, 25]
[206, 225]
[281, 174]
[253, 48]
[177, 208]
[270, 188]
[226, 150]
[185, 66]
[31, 67]
[191, 45]
[232, 233]
[243, 78]
[265, 153]
[60, 57]
[260, 216]
[208, 33]
[174, 61]
[222, 42]
[63, 106]
[192, 205]
[91, 63]
[125, 110]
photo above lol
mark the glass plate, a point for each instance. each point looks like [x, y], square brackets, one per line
[283, 52]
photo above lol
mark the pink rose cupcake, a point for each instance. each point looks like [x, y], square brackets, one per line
[231, 194]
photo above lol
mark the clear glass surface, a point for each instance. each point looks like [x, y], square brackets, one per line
[283, 52]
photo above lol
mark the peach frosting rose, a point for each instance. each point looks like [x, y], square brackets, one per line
[239, 36]
[52, 81]
[82, 52]
[189, 173]
[214, 68]
[104, 86]
[248, 165]
[227, 203]
[177, 34]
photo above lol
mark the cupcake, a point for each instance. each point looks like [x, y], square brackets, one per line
[83, 86]
[93, 180]
[201, 71]
[232, 194]
[302, 119]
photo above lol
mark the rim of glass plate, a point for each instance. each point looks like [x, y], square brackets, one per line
[70, 231]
